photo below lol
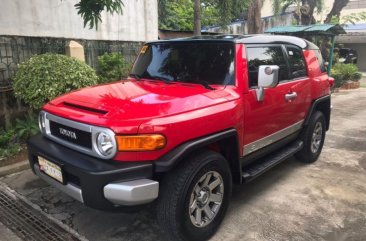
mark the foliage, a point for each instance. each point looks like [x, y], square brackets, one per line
[8, 144]
[12, 140]
[178, 15]
[7, 137]
[43, 77]
[356, 76]
[112, 67]
[344, 72]
[335, 12]
[26, 127]
[90, 10]
[353, 18]
[10, 151]
[304, 9]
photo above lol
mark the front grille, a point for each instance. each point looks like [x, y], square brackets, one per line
[76, 135]
[69, 134]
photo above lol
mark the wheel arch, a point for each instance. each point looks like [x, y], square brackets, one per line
[225, 142]
[323, 104]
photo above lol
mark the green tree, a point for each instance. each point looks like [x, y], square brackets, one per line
[338, 5]
[176, 15]
[179, 14]
[304, 13]
[90, 10]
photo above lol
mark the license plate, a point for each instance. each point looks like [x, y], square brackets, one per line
[50, 168]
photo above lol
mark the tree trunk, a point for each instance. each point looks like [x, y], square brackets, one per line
[338, 5]
[307, 12]
[254, 17]
[197, 18]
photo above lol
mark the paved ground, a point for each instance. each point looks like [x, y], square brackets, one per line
[7, 235]
[323, 201]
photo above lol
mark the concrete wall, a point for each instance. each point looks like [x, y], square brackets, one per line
[58, 18]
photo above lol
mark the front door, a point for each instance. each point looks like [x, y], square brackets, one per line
[283, 109]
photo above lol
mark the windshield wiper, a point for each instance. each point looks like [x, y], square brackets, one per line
[164, 79]
[205, 84]
[136, 76]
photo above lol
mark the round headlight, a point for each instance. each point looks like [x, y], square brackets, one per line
[104, 144]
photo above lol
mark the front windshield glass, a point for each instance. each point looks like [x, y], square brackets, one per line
[208, 63]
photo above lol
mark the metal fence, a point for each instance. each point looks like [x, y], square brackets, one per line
[93, 49]
[14, 50]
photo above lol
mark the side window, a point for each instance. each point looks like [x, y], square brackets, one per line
[297, 62]
[271, 55]
[320, 61]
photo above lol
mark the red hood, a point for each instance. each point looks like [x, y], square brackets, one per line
[131, 102]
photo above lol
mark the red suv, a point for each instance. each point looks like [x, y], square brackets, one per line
[194, 116]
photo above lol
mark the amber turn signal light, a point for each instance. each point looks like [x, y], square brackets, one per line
[141, 142]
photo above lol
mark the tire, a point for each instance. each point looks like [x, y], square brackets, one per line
[313, 139]
[177, 194]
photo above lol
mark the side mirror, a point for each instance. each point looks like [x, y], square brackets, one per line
[267, 78]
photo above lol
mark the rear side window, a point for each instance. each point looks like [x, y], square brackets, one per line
[320, 61]
[266, 55]
[297, 62]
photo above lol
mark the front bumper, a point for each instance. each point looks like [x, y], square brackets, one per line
[99, 184]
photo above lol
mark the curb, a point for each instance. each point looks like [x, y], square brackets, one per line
[17, 167]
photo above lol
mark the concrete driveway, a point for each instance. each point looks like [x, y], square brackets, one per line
[293, 201]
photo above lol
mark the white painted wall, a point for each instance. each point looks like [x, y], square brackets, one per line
[267, 9]
[58, 18]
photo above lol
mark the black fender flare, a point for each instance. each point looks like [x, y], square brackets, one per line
[324, 104]
[172, 158]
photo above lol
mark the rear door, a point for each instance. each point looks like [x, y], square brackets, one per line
[282, 111]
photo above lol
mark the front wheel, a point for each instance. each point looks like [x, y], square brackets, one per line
[313, 139]
[194, 197]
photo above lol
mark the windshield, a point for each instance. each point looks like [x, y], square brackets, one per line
[201, 63]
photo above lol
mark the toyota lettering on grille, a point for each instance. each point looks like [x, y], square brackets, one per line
[68, 133]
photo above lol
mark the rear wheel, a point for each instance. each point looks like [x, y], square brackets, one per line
[313, 139]
[194, 197]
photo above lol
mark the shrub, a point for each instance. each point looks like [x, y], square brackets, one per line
[356, 76]
[26, 127]
[9, 151]
[344, 72]
[112, 67]
[6, 137]
[44, 77]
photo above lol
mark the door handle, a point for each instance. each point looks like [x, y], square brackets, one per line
[290, 96]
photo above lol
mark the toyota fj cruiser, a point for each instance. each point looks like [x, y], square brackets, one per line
[194, 116]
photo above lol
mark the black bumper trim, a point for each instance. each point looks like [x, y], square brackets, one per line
[89, 173]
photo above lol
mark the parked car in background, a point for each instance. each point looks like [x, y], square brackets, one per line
[347, 56]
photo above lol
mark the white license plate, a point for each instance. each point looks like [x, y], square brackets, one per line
[50, 168]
